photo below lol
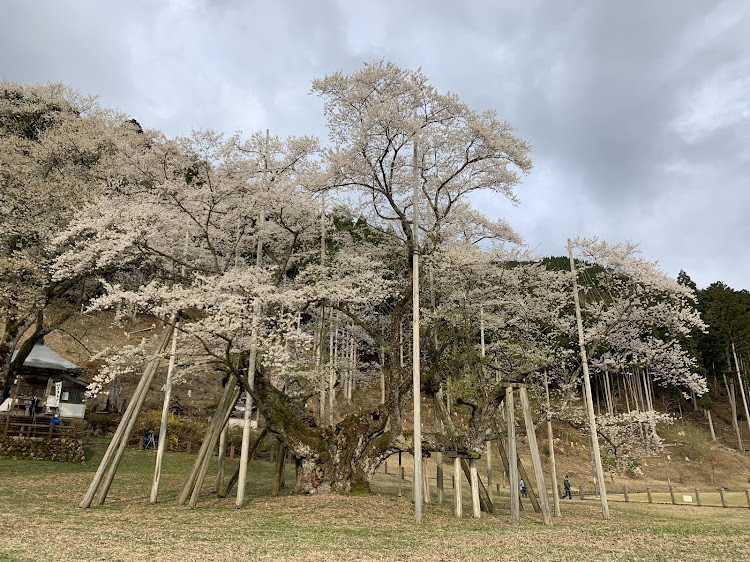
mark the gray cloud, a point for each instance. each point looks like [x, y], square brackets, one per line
[639, 113]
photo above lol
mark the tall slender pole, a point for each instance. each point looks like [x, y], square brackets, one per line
[515, 500]
[164, 420]
[550, 439]
[489, 443]
[319, 356]
[416, 376]
[252, 360]
[587, 386]
[536, 459]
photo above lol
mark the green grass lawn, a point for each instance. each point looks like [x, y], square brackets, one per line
[40, 520]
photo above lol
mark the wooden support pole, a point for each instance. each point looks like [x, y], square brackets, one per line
[137, 403]
[551, 441]
[121, 433]
[401, 481]
[439, 477]
[163, 428]
[488, 458]
[580, 492]
[221, 459]
[671, 495]
[189, 484]
[416, 377]
[246, 425]
[251, 454]
[698, 497]
[522, 473]
[536, 459]
[425, 481]
[625, 493]
[476, 510]
[723, 497]
[484, 498]
[648, 493]
[747, 496]
[280, 454]
[587, 386]
[515, 500]
[457, 498]
[227, 407]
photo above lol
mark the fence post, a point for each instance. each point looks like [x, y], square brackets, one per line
[7, 424]
[625, 493]
[723, 497]
[386, 467]
[648, 493]
[747, 495]
[698, 497]
[671, 493]
[580, 491]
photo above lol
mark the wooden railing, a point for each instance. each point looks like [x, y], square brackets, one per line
[27, 429]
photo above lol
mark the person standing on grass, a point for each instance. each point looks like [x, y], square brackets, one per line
[522, 485]
[566, 485]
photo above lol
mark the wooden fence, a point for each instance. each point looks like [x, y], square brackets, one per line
[27, 429]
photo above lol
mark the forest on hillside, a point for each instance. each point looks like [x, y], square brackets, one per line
[289, 268]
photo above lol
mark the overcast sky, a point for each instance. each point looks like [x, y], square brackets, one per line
[638, 112]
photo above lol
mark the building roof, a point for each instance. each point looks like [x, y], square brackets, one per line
[42, 357]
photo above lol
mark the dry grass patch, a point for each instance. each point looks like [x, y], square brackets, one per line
[41, 520]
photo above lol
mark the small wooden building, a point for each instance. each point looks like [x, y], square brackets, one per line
[49, 382]
[176, 408]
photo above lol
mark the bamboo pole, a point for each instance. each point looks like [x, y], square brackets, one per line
[551, 440]
[587, 383]
[515, 500]
[164, 422]
[117, 438]
[536, 459]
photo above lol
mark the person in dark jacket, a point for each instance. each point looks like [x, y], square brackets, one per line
[566, 485]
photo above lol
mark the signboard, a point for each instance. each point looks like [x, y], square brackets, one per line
[58, 392]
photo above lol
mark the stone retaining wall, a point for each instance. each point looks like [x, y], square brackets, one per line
[61, 449]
